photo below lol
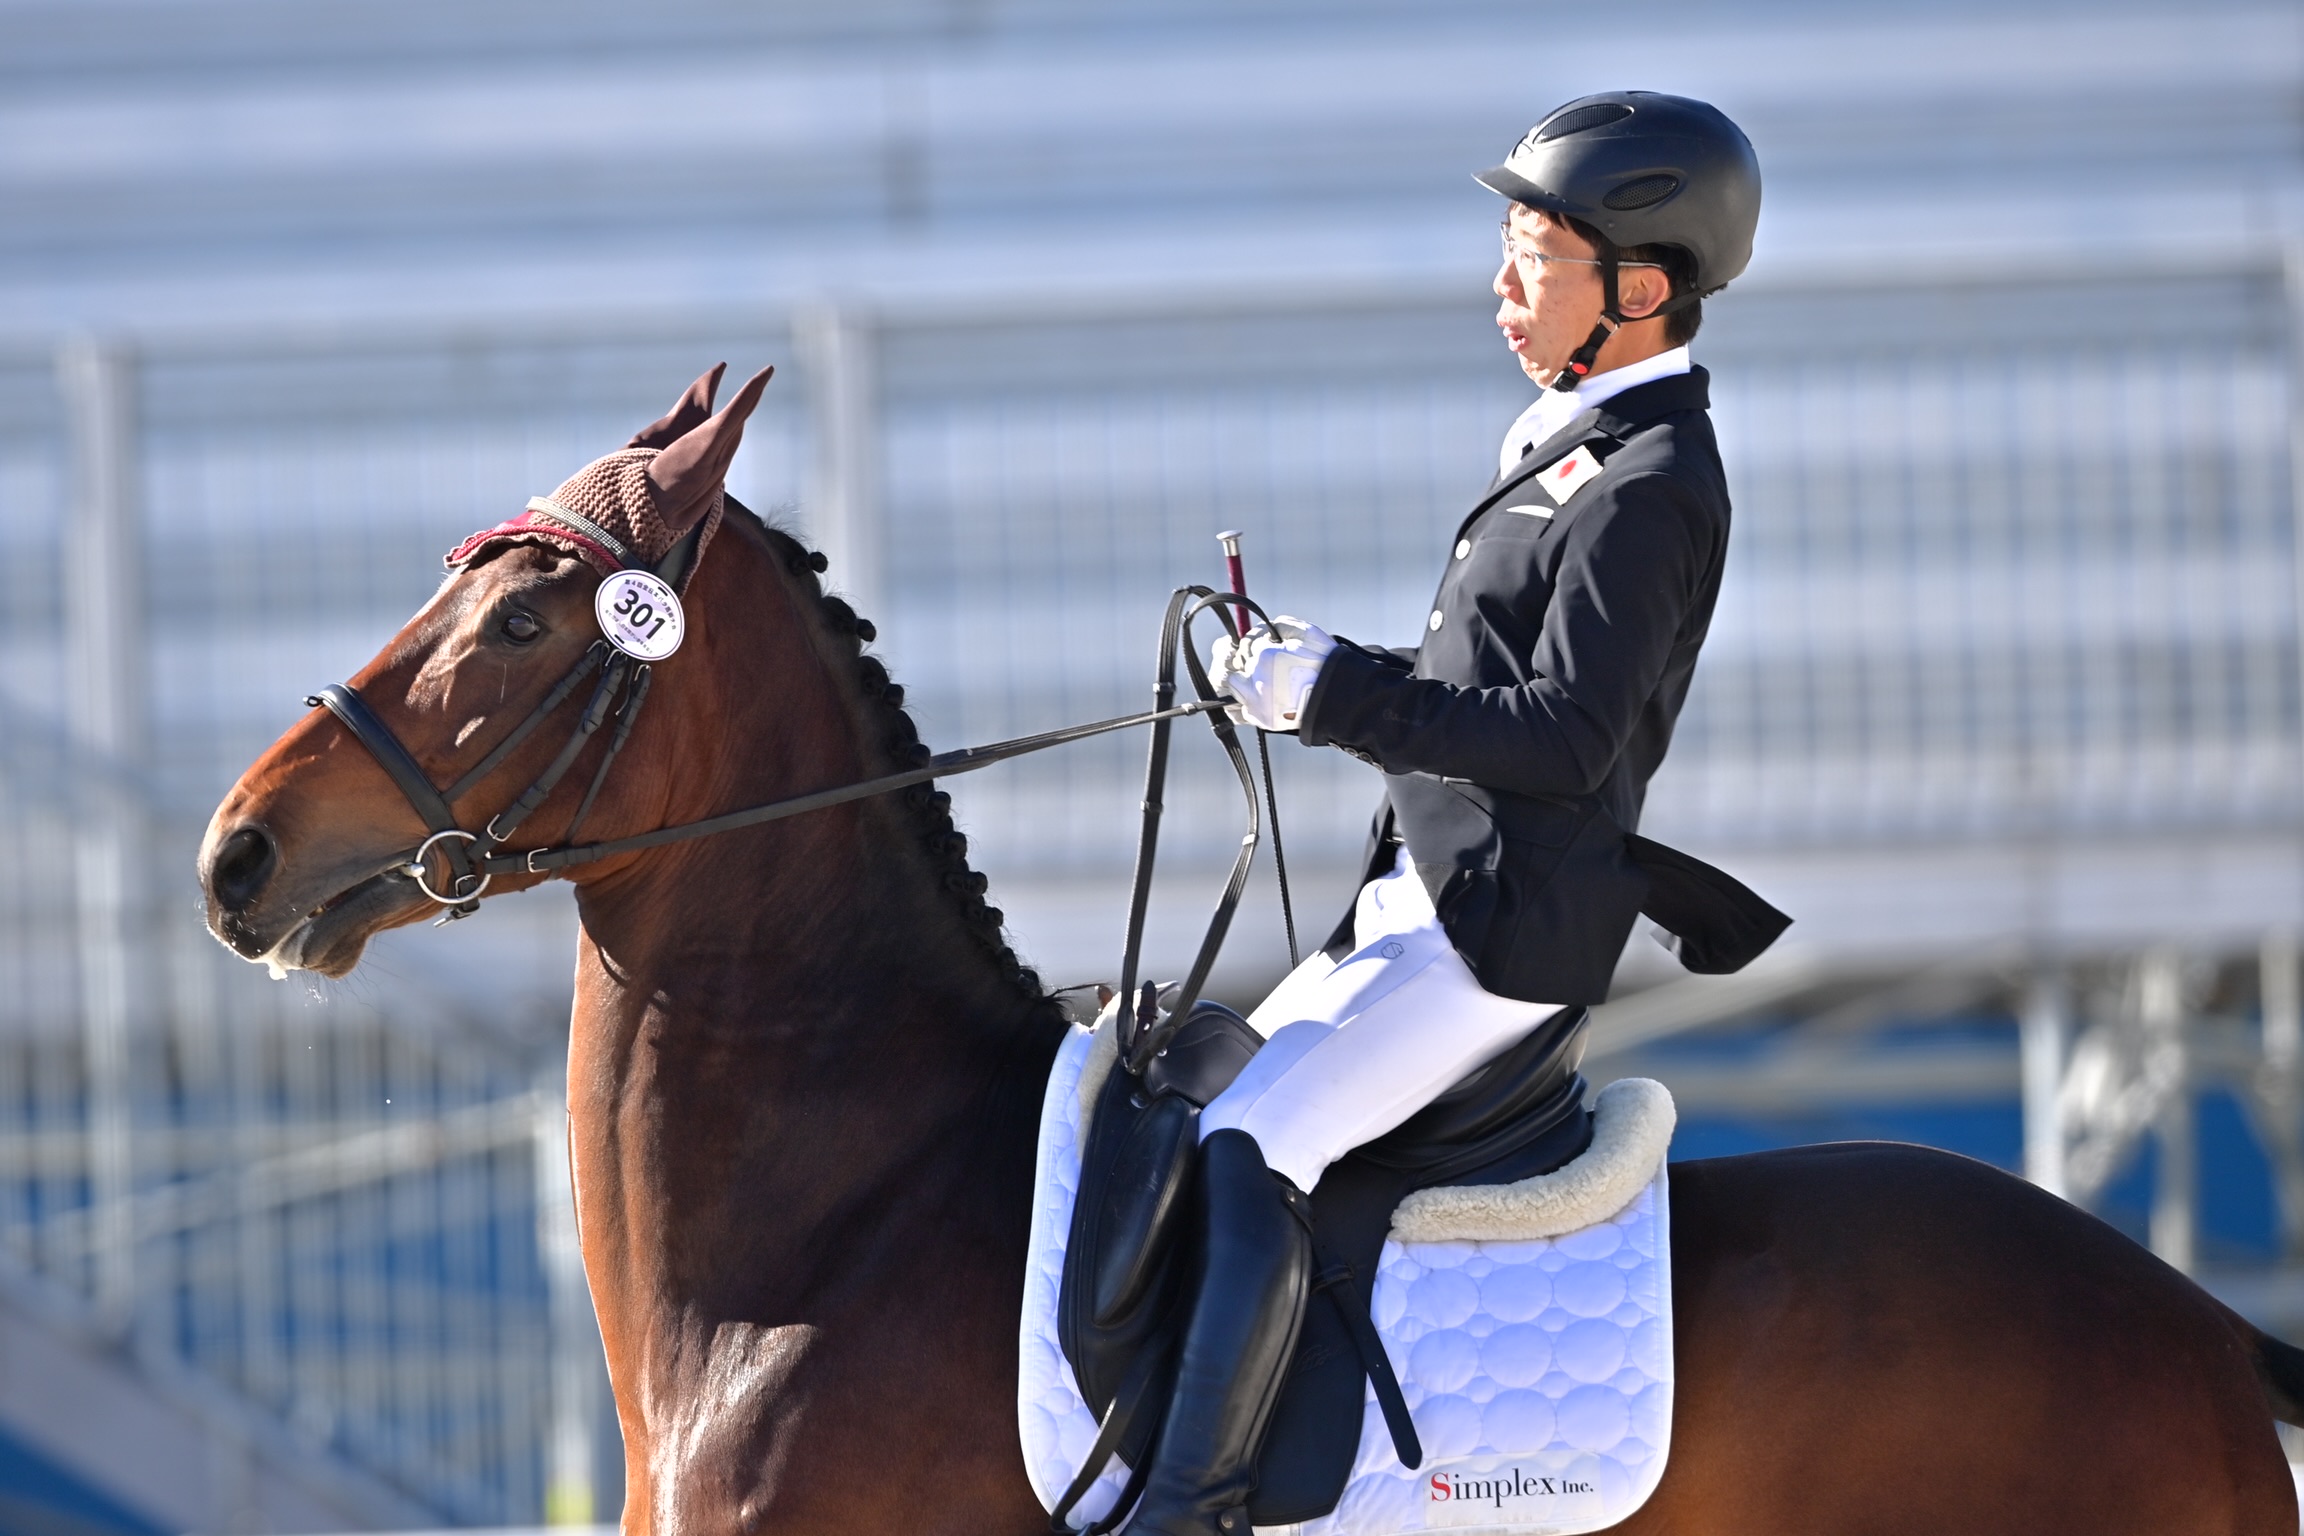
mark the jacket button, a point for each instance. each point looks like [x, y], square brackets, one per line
[1463, 548]
[1434, 621]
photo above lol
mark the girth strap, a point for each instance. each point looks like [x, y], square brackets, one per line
[1334, 1280]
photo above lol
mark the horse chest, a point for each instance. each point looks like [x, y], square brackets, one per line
[723, 1413]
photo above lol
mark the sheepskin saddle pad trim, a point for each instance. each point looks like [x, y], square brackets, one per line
[1536, 1363]
[1632, 1121]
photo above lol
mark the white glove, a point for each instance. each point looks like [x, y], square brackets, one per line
[1270, 671]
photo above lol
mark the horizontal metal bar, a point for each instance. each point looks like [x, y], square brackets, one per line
[367, 1157]
[1215, 300]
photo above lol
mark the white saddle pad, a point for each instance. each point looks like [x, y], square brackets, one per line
[1530, 1326]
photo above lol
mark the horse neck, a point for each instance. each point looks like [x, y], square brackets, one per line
[736, 991]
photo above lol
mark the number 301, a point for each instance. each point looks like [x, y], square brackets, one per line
[640, 615]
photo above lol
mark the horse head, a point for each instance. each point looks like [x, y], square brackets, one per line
[310, 854]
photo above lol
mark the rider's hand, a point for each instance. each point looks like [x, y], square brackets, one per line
[1270, 671]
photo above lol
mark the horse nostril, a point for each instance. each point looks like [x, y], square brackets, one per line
[243, 866]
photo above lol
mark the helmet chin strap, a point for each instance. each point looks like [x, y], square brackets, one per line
[1612, 320]
[1580, 362]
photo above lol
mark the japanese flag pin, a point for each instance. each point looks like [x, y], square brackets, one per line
[1571, 475]
[640, 614]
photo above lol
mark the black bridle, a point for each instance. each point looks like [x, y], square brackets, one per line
[473, 859]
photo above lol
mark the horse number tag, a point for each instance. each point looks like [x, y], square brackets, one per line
[640, 614]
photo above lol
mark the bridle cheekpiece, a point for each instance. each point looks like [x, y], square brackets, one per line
[473, 859]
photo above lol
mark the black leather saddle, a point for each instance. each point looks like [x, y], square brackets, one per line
[1124, 1293]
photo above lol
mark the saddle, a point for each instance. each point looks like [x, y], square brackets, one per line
[1124, 1294]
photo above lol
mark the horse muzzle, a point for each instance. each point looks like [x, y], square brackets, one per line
[257, 911]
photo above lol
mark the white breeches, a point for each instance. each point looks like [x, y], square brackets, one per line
[1354, 1047]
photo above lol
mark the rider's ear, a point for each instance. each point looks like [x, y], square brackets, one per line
[1644, 288]
[684, 476]
[690, 410]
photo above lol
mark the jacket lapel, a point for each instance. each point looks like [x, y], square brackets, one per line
[1584, 429]
[1613, 419]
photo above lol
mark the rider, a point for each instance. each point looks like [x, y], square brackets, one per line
[1517, 740]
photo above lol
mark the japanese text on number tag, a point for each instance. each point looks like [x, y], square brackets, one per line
[640, 614]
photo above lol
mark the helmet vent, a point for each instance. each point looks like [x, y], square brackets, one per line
[1645, 192]
[1578, 119]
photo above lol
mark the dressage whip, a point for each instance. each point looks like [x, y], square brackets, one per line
[1237, 575]
[1233, 572]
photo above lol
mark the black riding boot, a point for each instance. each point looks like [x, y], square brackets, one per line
[1255, 1271]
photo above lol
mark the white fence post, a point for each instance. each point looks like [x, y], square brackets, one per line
[2278, 1087]
[2292, 286]
[111, 729]
[571, 1479]
[2044, 1035]
[837, 356]
[2167, 1056]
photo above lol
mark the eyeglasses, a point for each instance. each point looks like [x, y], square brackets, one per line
[1517, 251]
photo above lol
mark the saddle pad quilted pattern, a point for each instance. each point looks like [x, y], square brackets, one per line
[1539, 1373]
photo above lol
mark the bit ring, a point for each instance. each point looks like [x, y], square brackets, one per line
[414, 869]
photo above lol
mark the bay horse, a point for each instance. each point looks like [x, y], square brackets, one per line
[804, 1076]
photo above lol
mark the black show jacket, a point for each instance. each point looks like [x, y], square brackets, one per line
[1517, 741]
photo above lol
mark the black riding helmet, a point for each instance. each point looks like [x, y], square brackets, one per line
[1643, 169]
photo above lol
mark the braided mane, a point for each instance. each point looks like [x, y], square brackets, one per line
[930, 807]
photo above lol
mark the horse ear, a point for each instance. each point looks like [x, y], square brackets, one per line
[687, 412]
[683, 477]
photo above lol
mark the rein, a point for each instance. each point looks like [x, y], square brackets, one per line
[1147, 1035]
[474, 859]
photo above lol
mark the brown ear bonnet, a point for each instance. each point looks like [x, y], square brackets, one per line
[630, 507]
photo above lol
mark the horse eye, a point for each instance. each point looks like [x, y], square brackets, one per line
[520, 628]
